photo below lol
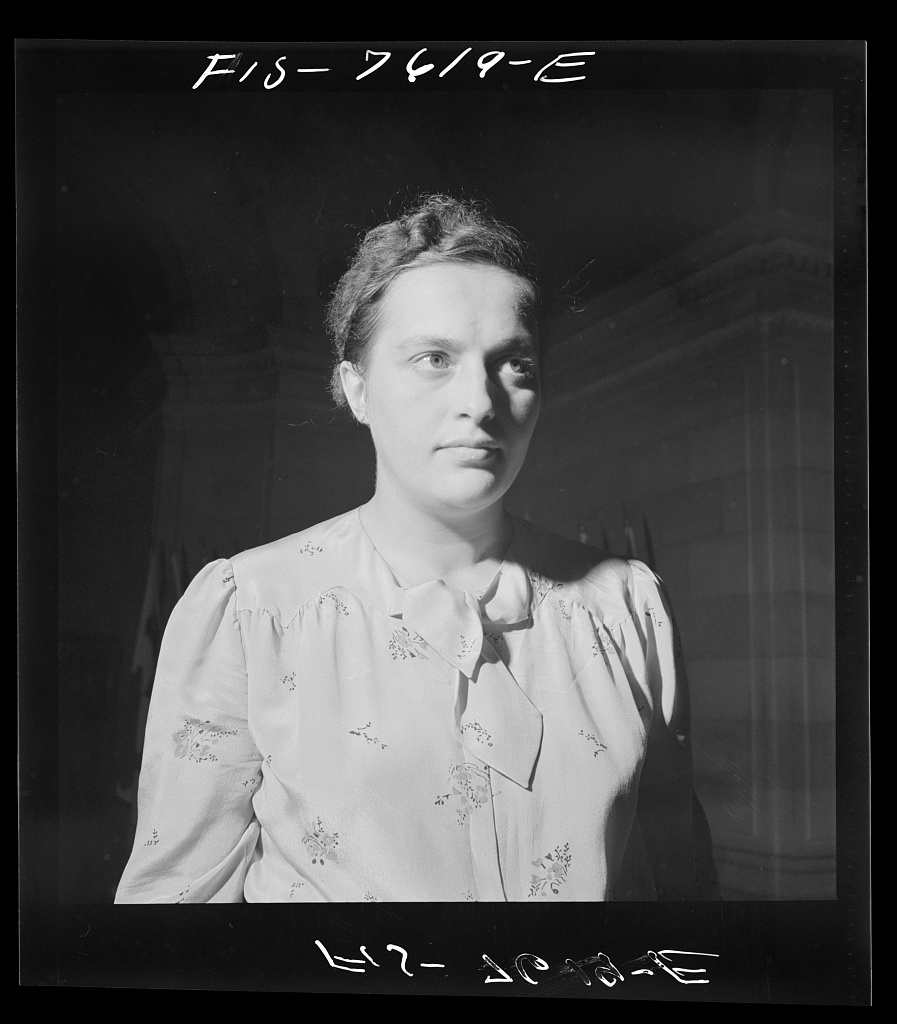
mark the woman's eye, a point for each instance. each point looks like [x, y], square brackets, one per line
[520, 366]
[434, 361]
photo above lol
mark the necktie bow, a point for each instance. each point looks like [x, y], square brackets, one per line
[493, 718]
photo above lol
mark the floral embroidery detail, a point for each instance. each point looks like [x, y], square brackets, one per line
[470, 790]
[321, 843]
[496, 639]
[254, 781]
[268, 760]
[340, 607]
[310, 549]
[182, 895]
[228, 578]
[153, 839]
[362, 731]
[657, 620]
[370, 897]
[405, 644]
[469, 896]
[553, 868]
[294, 888]
[540, 585]
[194, 740]
[466, 647]
[289, 682]
[602, 642]
[599, 746]
[562, 608]
[481, 734]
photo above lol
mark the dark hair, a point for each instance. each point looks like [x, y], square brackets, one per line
[436, 229]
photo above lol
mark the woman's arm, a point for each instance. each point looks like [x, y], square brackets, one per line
[673, 825]
[196, 831]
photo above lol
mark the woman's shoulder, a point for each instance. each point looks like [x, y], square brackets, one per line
[286, 573]
[584, 573]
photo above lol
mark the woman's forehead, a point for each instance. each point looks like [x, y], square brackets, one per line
[455, 294]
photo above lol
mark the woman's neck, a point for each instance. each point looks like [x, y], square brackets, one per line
[464, 550]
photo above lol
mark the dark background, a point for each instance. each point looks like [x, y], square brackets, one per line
[686, 202]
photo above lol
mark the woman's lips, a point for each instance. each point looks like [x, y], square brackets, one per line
[473, 452]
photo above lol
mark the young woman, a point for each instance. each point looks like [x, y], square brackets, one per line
[423, 699]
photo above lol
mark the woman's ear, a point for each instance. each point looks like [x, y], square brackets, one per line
[354, 390]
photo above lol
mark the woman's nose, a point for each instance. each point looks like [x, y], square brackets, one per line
[476, 394]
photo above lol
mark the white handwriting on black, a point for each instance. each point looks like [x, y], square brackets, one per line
[600, 966]
[604, 969]
[345, 961]
[415, 68]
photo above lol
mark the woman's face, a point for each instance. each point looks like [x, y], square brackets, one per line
[449, 387]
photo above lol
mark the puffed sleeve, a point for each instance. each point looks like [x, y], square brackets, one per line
[674, 828]
[196, 831]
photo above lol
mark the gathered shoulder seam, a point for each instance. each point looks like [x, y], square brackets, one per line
[593, 611]
[279, 615]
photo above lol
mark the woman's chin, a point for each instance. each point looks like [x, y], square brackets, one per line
[473, 494]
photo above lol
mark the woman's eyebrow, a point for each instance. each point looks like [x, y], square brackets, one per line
[514, 343]
[427, 341]
[517, 343]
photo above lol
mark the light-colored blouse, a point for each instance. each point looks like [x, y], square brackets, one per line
[319, 732]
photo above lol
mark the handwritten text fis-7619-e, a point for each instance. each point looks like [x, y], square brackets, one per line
[551, 73]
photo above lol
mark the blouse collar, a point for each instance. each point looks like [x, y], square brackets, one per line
[510, 598]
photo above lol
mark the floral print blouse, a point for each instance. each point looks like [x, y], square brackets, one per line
[320, 732]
